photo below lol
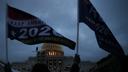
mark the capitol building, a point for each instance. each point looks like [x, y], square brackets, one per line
[52, 55]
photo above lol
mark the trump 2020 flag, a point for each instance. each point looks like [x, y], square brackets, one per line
[105, 38]
[29, 29]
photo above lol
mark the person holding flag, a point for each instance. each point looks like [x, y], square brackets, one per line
[75, 66]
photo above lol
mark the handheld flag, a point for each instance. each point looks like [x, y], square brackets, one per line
[29, 29]
[105, 38]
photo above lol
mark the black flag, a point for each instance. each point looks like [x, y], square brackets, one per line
[105, 38]
[31, 30]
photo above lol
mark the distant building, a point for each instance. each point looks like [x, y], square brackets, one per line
[53, 56]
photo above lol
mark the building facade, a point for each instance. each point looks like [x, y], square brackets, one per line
[53, 56]
[50, 54]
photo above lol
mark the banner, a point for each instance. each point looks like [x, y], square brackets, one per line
[105, 38]
[31, 30]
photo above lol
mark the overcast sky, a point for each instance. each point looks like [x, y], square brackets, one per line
[61, 15]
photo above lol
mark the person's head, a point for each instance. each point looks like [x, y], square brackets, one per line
[76, 59]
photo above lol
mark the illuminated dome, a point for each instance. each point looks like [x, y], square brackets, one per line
[51, 46]
[52, 50]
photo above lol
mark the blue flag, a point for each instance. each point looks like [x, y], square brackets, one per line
[29, 29]
[105, 38]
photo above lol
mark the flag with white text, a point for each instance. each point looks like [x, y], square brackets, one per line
[30, 30]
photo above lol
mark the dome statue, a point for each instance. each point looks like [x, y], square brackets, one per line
[51, 49]
[51, 46]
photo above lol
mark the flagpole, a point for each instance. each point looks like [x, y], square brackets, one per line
[6, 33]
[77, 40]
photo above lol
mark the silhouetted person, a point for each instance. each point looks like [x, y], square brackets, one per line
[75, 67]
[40, 68]
[7, 68]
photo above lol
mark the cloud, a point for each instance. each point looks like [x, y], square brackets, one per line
[62, 16]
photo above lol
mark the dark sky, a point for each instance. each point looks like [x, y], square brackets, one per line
[62, 16]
